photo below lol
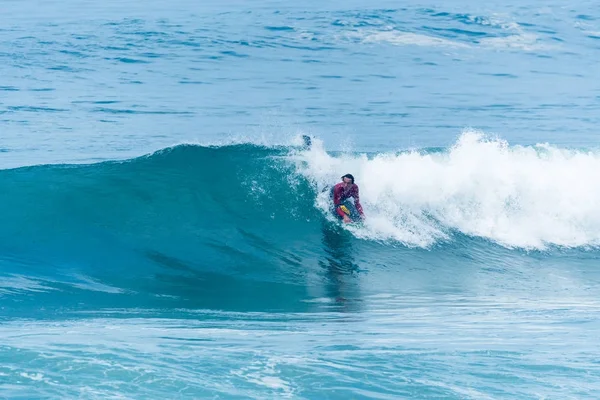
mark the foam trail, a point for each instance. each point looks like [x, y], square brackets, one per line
[409, 38]
[526, 197]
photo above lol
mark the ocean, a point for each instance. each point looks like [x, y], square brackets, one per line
[164, 233]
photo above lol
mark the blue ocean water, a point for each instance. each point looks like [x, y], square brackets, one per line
[164, 233]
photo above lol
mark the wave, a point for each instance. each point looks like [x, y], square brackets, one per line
[516, 196]
[252, 218]
[216, 202]
[180, 196]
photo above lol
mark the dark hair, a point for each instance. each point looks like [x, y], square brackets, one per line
[349, 176]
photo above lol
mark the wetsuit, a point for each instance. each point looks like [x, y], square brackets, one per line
[340, 197]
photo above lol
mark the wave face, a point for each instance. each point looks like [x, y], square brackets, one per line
[181, 213]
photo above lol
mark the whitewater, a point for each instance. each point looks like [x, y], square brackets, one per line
[165, 232]
[529, 197]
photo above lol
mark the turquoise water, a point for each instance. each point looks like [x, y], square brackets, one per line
[163, 233]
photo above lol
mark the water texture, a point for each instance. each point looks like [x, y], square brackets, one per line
[165, 234]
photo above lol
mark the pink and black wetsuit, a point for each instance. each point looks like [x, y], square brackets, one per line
[341, 194]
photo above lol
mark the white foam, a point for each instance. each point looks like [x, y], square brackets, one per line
[408, 38]
[521, 41]
[33, 377]
[265, 374]
[12, 283]
[87, 283]
[514, 36]
[527, 197]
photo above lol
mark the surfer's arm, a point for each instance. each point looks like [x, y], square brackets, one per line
[357, 202]
[337, 196]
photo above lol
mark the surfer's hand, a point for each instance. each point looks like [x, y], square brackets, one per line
[346, 219]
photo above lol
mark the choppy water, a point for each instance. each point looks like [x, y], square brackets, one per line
[163, 234]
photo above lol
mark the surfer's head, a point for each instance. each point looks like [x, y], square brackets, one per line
[348, 179]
